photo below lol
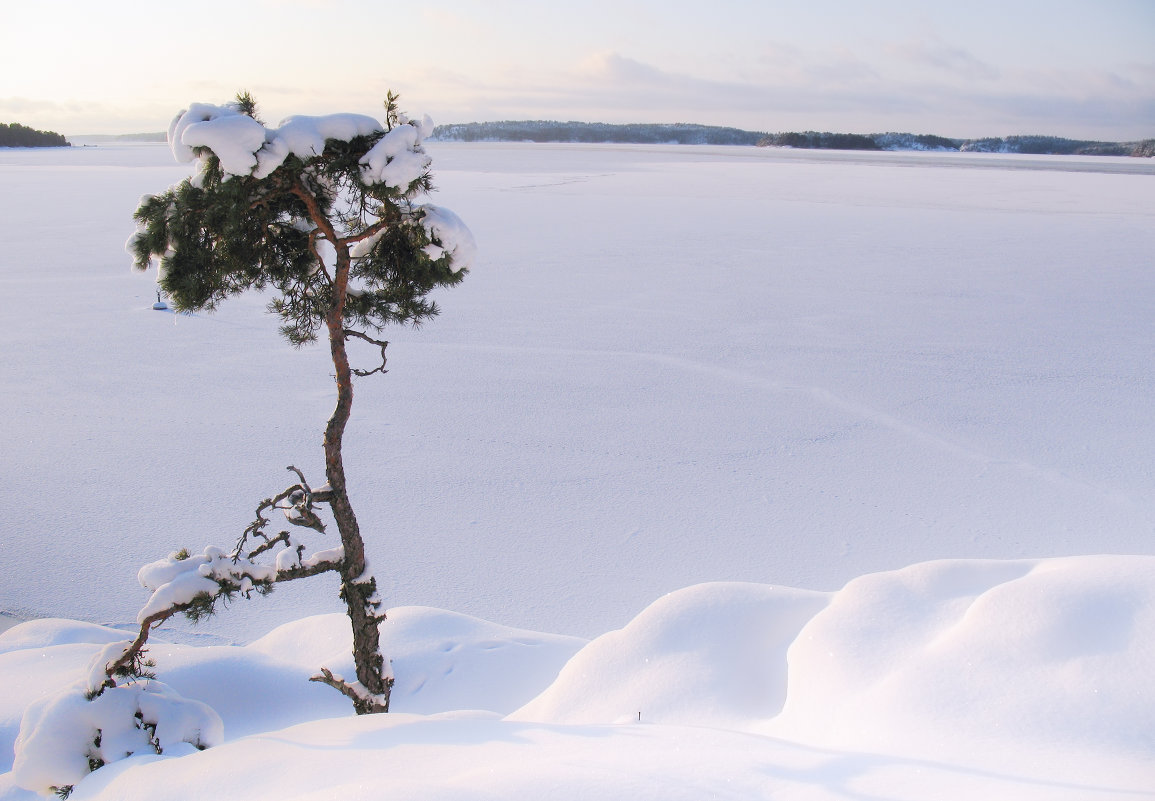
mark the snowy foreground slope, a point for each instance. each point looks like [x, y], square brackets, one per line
[955, 679]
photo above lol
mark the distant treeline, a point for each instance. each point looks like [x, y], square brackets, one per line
[815, 140]
[17, 135]
[1041, 145]
[1048, 145]
[679, 133]
[688, 134]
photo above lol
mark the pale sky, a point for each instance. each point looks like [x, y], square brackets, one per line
[968, 68]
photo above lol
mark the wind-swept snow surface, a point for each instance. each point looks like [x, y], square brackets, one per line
[673, 365]
[954, 679]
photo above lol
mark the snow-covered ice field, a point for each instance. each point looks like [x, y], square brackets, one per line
[673, 365]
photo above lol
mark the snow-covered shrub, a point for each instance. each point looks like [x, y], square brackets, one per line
[66, 736]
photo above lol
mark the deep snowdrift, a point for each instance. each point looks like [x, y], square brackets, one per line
[952, 679]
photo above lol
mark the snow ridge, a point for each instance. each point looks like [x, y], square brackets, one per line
[952, 679]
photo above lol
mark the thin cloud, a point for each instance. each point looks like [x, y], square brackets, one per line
[308, 4]
[784, 89]
[24, 105]
[947, 58]
[838, 92]
[785, 66]
[613, 67]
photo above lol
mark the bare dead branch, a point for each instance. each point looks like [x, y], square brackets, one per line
[349, 332]
[314, 496]
[300, 475]
[299, 512]
[305, 517]
[269, 544]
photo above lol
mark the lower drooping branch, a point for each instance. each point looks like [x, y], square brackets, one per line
[133, 655]
[194, 585]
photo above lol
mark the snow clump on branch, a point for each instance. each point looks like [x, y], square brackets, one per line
[450, 235]
[398, 159]
[175, 582]
[246, 147]
[235, 138]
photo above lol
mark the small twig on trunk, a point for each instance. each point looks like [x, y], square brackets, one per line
[364, 704]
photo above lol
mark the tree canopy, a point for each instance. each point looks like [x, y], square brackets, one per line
[318, 202]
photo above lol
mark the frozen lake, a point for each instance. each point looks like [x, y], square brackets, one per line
[672, 365]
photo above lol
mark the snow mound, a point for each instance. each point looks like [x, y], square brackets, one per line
[37, 659]
[445, 661]
[51, 631]
[993, 664]
[442, 660]
[64, 735]
[711, 655]
[462, 757]
[959, 679]
[982, 658]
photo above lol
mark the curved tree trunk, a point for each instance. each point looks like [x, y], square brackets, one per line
[358, 587]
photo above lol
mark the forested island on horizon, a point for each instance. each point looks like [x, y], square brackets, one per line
[691, 134]
[17, 135]
[550, 131]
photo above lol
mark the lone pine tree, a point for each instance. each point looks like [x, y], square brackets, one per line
[322, 211]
